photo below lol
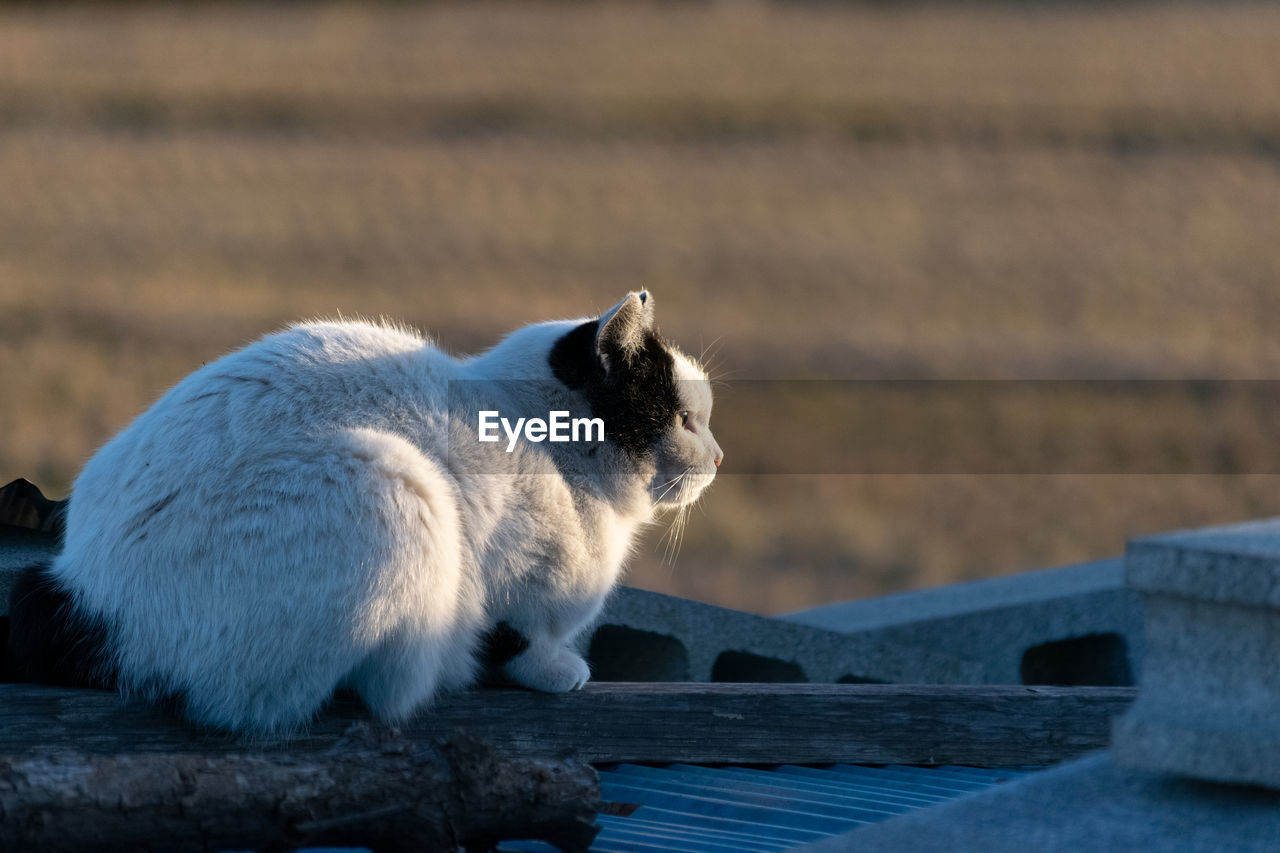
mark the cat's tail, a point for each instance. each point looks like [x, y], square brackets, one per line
[51, 639]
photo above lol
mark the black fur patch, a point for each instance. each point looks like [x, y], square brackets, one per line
[573, 359]
[637, 399]
[50, 640]
[502, 644]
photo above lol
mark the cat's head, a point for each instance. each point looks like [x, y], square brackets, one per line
[655, 401]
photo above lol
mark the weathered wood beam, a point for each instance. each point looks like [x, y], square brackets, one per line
[651, 722]
[371, 789]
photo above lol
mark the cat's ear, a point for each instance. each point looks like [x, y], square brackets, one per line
[622, 328]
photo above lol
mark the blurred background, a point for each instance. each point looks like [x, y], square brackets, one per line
[813, 191]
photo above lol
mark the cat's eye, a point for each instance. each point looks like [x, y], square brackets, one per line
[684, 418]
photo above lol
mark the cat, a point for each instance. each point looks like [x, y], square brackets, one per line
[316, 511]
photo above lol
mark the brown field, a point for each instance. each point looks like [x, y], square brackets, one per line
[824, 191]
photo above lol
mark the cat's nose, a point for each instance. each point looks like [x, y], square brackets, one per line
[719, 458]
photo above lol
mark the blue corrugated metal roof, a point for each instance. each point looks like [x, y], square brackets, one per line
[685, 808]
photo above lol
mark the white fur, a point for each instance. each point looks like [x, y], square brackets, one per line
[308, 512]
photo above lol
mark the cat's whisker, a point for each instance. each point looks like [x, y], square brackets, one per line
[720, 377]
[665, 487]
[709, 351]
[713, 368]
[673, 539]
[672, 535]
[670, 484]
[664, 542]
[681, 524]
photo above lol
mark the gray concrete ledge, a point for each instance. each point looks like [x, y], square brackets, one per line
[1209, 706]
[1075, 624]
[1235, 564]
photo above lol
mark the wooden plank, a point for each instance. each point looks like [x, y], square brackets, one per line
[374, 790]
[996, 726]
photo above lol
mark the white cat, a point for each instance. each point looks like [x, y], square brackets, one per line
[316, 510]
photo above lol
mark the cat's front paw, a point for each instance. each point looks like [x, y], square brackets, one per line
[556, 670]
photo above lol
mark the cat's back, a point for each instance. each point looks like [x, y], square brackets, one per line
[246, 417]
[313, 372]
[294, 383]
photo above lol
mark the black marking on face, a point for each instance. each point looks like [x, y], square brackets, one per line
[53, 641]
[501, 644]
[637, 397]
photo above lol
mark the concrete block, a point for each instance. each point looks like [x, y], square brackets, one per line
[1209, 704]
[647, 636]
[1086, 805]
[1073, 625]
[1231, 564]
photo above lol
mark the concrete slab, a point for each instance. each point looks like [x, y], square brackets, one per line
[1209, 706]
[1232, 564]
[1071, 625]
[1090, 804]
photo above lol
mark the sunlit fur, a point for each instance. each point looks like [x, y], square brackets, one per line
[689, 469]
[310, 512]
